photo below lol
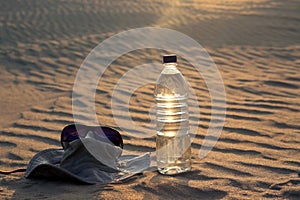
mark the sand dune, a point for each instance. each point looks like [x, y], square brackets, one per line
[255, 45]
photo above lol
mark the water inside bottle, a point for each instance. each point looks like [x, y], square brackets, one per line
[173, 141]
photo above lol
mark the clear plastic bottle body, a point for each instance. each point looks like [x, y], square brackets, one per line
[173, 147]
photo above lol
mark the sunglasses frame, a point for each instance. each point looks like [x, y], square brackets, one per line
[103, 133]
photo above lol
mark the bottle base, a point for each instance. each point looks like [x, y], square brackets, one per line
[172, 170]
[173, 155]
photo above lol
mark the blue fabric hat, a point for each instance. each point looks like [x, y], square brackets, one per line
[87, 160]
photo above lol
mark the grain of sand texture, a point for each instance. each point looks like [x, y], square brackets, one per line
[255, 45]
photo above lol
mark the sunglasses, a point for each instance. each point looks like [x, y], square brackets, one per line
[102, 133]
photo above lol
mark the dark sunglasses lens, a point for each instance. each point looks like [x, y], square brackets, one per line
[68, 134]
[111, 134]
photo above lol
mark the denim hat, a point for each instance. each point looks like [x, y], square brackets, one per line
[87, 160]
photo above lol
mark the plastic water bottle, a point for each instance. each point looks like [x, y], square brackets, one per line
[173, 145]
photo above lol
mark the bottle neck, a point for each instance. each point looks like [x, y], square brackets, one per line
[173, 64]
[170, 68]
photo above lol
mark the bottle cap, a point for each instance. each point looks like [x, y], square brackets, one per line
[169, 58]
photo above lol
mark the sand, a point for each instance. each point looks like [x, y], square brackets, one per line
[255, 45]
